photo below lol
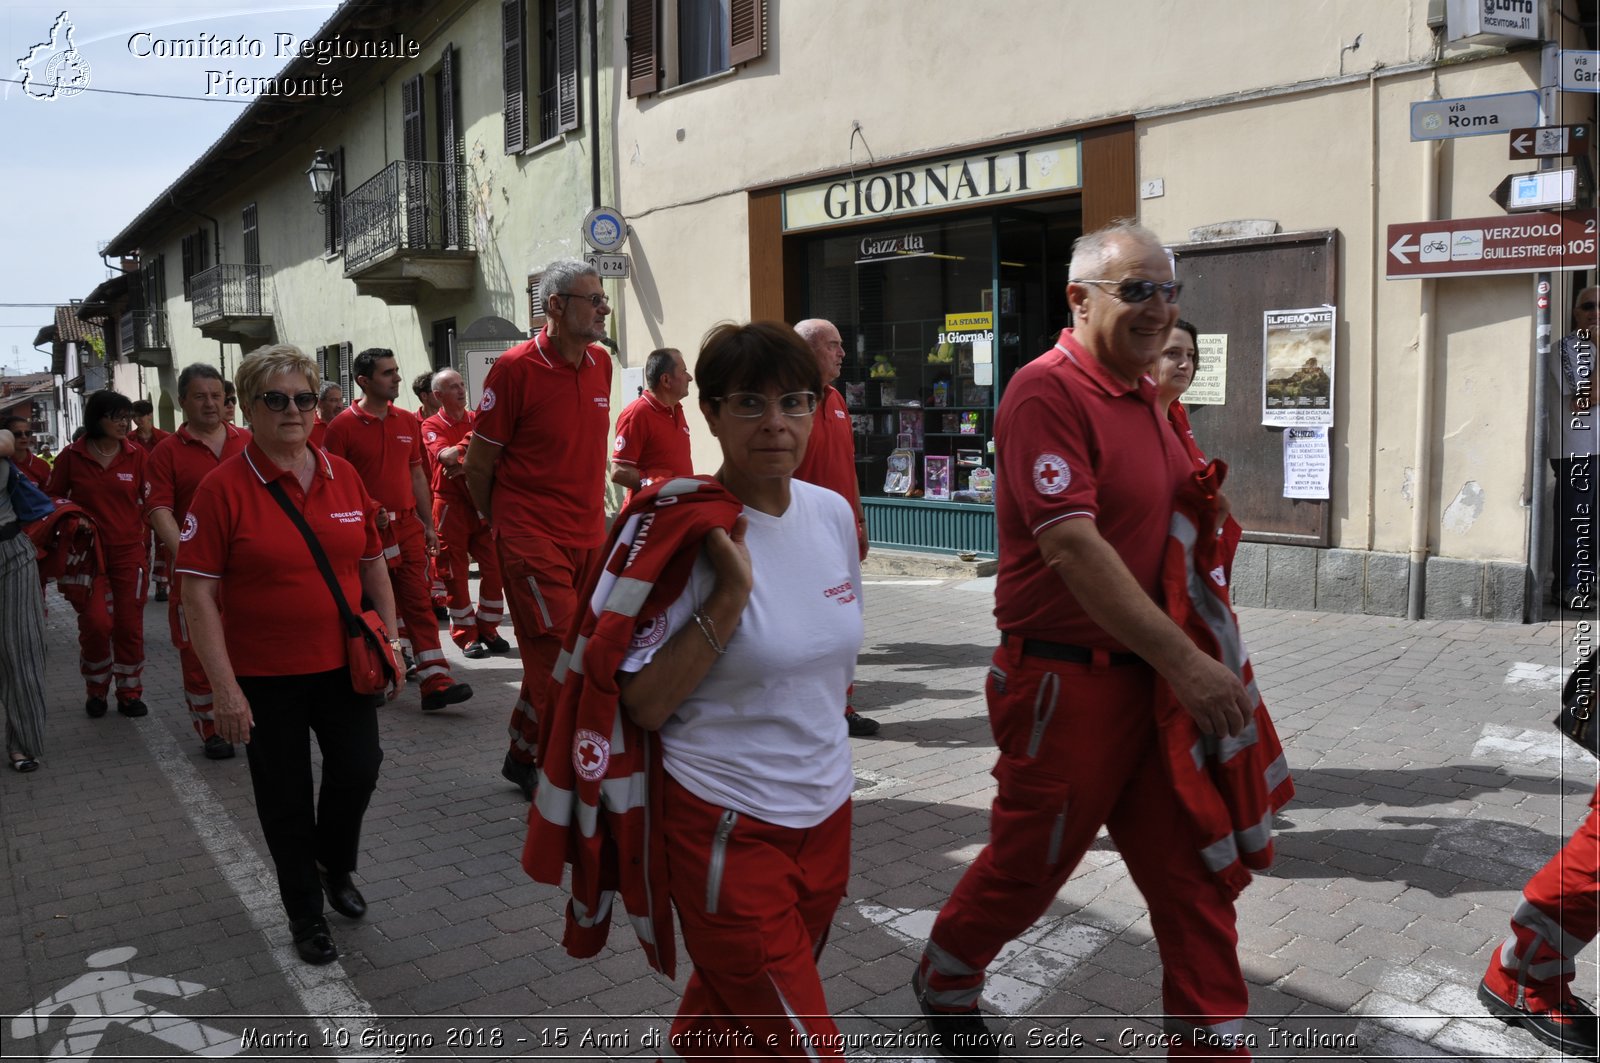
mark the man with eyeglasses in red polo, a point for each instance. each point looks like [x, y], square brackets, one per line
[36, 468]
[384, 443]
[536, 470]
[1091, 469]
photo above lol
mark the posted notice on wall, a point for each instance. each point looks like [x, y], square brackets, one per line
[1210, 385]
[1297, 367]
[1305, 462]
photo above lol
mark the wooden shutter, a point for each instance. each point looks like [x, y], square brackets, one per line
[252, 236]
[333, 217]
[188, 266]
[644, 48]
[415, 144]
[346, 355]
[566, 65]
[449, 151]
[747, 31]
[322, 367]
[514, 74]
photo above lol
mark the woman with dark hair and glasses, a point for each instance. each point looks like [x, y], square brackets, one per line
[740, 676]
[104, 473]
[271, 639]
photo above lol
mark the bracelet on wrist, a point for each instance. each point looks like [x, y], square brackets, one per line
[709, 630]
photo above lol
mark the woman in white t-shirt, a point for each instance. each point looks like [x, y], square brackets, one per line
[743, 684]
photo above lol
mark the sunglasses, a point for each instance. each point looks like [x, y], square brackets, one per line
[597, 300]
[1138, 291]
[277, 401]
[1587, 306]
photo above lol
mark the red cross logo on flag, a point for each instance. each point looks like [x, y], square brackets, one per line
[590, 754]
[1050, 474]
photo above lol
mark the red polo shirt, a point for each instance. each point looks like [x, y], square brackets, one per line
[552, 419]
[113, 496]
[653, 439]
[1073, 442]
[179, 463]
[319, 431]
[156, 436]
[439, 432]
[830, 458]
[34, 467]
[278, 617]
[383, 450]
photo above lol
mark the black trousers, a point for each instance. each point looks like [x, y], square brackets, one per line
[305, 827]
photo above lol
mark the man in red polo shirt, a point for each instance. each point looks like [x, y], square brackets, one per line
[329, 402]
[830, 459]
[652, 436]
[536, 469]
[384, 443]
[422, 388]
[463, 535]
[1089, 469]
[36, 468]
[147, 435]
[176, 467]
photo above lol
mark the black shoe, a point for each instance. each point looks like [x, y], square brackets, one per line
[133, 709]
[218, 748]
[523, 775]
[411, 666]
[453, 694]
[161, 593]
[312, 940]
[1569, 1028]
[475, 650]
[441, 613]
[95, 707]
[956, 1035]
[497, 645]
[860, 726]
[342, 893]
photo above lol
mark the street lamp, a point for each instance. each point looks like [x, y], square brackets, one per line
[321, 173]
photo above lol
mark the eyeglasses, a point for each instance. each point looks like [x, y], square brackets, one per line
[750, 405]
[1138, 291]
[231, 400]
[277, 401]
[122, 418]
[1180, 354]
[597, 300]
[22, 435]
[1587, 306]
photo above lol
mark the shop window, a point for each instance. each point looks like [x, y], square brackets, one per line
[539, 75]
[675, 42]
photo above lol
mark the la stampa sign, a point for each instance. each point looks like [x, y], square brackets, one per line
[1523, 243]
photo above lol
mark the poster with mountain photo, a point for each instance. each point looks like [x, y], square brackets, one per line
[1297, 367]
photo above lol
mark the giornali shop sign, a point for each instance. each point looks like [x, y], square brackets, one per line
[968, 180]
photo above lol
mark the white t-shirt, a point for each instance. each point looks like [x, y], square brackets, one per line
[764, 733]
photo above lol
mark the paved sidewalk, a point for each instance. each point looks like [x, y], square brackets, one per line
[134, 884]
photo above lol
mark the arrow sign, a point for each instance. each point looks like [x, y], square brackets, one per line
[1541, 190]
[1525, 243]
[1544, 142]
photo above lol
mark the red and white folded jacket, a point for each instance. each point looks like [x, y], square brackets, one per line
[598, 803]
[68, 548]
[1228, 787]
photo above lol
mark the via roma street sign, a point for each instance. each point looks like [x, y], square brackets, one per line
[1521, 243]
[1473, 116]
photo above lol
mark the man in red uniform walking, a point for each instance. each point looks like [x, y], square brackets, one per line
[176, 467]
[145, 434]
[463, 535]
[830, 459]
[384, 443]
[536, 469]
[35, 467]
[652, 440]
[1090, 468]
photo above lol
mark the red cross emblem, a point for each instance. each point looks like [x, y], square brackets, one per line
[590, 754]
[1051, 475]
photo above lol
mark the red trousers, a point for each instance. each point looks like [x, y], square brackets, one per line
[1078, 750]
[464, 538]
[196, 687]
[414, 607]
[111, 626]
[1558, 916]
[542, 579]
[755, 902]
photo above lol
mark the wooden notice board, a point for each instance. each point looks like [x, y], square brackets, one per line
[1227, 286]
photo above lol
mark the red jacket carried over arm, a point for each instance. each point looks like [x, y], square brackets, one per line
[598, 804]
[1229, 787]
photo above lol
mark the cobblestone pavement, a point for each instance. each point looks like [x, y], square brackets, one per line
[134, 883]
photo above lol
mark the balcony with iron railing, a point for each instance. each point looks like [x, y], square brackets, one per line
[142, 336]
[232, 302]
[409, 226]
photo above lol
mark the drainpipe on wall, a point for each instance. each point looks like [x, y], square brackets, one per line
[1422, 458]
[1542, 321]
[594, 103]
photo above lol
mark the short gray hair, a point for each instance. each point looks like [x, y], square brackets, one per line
[330, 385]
[433, 381]
[1091, 252]
[264, 363]
[812, 327]
[558, 276]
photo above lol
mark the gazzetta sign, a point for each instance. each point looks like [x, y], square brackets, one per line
[1523, 243]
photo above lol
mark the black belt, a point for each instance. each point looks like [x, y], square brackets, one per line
[1061, 651]
[9, 531]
